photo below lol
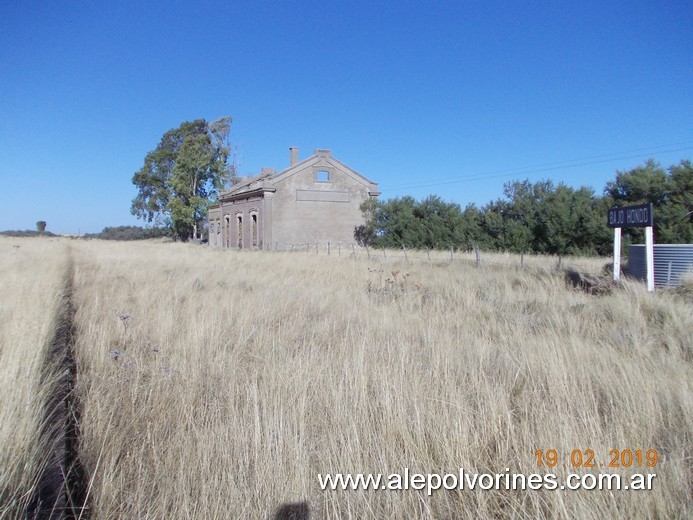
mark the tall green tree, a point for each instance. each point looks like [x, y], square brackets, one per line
[509, 222]
[569, 222]
[677, 215]
[470, 233]
[671, 193]
[183, 176]
[428, 224]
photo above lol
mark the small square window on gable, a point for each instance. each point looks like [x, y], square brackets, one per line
[322, 176]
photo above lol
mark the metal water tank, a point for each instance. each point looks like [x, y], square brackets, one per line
[671, 262]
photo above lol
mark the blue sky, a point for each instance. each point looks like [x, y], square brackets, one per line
[446, 98]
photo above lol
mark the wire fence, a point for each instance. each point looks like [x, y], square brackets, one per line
[474, 257]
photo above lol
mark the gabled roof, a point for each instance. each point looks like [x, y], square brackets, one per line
[267, 179]
[251, 184]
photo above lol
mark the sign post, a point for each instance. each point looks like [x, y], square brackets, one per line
[617, 254]
[641, 215]
[649, 253]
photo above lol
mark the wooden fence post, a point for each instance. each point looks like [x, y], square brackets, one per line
[669, 275]
[478, 256]
[405, 252]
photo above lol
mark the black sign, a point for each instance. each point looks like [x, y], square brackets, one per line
[631, 216]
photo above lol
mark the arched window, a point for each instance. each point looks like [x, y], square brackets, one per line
[253, 228]
[227, 238]
[239, 223]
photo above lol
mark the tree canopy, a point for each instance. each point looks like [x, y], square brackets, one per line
[537, 217]
[183, 176]
[670, 192]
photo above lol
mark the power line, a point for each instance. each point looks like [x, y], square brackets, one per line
[558, 165]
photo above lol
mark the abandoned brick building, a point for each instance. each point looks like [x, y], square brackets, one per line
[313, 201]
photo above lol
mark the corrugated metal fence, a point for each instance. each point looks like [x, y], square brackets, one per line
[671, 262]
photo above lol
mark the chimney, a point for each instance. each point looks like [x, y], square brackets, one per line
[293, 153]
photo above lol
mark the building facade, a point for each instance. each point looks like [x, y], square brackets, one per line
[313, 201]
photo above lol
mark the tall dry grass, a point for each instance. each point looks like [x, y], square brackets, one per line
[219, 384]
[32, 281]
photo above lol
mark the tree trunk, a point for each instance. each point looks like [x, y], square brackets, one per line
[193, 193]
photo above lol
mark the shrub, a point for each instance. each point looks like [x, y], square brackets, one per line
[130, 233]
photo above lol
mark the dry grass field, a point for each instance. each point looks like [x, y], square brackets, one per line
[32, 278]
[219, 384]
